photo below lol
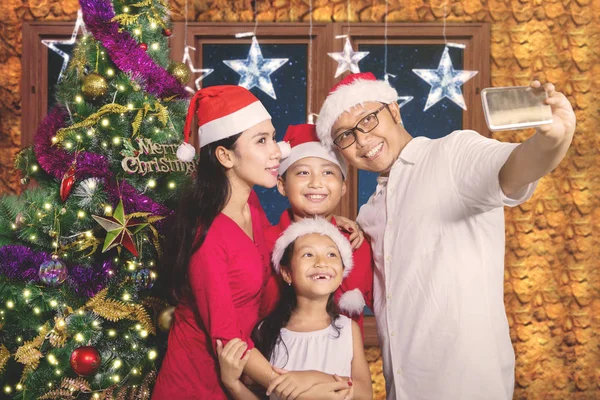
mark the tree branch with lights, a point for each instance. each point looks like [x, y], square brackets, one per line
[79, 307]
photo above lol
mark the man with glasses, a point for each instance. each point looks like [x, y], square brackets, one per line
[436, 224]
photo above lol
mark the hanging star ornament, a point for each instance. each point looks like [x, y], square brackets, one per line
[445, 81]
[120, 228]
[204, 72]
[348, 59]
[401, 100]
[70, 42]
[255, 71]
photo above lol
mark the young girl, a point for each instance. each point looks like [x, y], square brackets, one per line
[304, 335]
[217, 260]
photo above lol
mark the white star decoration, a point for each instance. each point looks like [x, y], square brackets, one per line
[445, 81]
[203, 72]
[52, 43]
[348, 59]
[402, 100]
[255, 71]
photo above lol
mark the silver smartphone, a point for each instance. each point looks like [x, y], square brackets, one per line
[515, 107]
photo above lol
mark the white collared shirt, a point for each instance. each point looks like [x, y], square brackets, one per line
[437, 232]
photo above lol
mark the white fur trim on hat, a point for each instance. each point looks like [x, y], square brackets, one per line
[312, 149]
[186, 152]
[348, 96]
[233, 123]
[306, 227]
[285, 149]
[352, 302]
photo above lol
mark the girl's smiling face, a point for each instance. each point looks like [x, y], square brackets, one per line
[316, 266]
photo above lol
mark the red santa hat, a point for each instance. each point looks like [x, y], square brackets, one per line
[307, 226]
[222, 111]
[351, 91]
[304, 143]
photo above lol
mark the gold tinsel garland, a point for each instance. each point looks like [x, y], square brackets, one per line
[78, 60]
[144, 392]
[152, 14]
[160, 111]
[83, 243]
[58, 394]
[150, 219]
[75, 384]
[114, 310]
[122, 393]
[4, 356]
[29, 353]
[154, 303]
[108, 393]
[131, 392]
[93, 119]
[69, 388]
[58, 335]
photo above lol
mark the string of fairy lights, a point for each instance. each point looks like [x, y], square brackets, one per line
[79, 337]
[107, 137]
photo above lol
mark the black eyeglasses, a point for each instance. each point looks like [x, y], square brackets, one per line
[365, 125]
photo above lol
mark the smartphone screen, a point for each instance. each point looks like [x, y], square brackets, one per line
[516, 107]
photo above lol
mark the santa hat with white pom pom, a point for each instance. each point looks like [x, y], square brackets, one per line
[307, 226]
[223, 111]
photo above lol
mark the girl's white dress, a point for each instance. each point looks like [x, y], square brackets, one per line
[324, 350]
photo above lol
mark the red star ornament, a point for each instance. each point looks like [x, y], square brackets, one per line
[120, 229]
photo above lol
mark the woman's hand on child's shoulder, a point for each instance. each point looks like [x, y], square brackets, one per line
[357, 236]
[231, 361]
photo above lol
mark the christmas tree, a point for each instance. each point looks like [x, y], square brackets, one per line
[78, 310]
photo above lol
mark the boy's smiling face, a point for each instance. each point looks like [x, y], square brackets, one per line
[313, 186]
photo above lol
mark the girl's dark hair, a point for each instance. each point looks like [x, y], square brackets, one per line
[267, 333]
[199, 206]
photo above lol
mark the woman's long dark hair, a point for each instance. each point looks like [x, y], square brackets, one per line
[199, 206]
[267, 333]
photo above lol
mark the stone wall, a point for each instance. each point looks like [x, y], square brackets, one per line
[552, 277]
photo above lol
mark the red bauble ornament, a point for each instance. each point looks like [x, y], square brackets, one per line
[143, 46]
[167, 32]
[85, 360]
[66, 184]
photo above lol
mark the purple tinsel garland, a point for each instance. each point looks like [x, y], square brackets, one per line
[56, 161]
[21, 263]
[125, 52]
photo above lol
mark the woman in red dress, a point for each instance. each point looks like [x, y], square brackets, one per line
[217, 261]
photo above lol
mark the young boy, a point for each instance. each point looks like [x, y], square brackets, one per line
[436, 224]
[313, 179]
